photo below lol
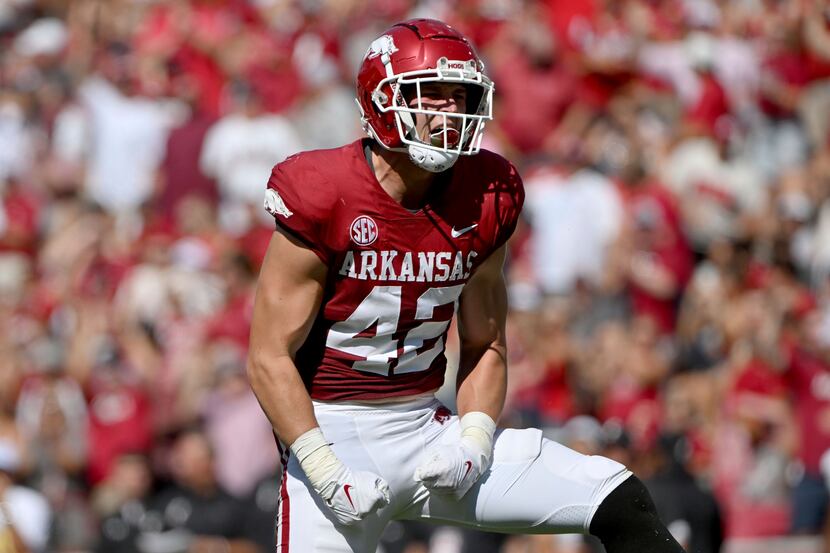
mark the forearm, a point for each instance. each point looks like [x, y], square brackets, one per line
[284, 399]
[482, 381]
[482, 370]
[480, 400]
[282, 395]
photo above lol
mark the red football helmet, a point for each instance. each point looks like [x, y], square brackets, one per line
[402, 59]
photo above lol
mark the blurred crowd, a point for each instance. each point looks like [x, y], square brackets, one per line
[669, 283]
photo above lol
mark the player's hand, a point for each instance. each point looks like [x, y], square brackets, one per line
[354, 495]
[351, 495]
[451, 470]
[454, 469]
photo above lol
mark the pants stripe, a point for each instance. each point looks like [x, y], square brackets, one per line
[284, 515]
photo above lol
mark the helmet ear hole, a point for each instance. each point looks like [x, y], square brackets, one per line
[370, 105]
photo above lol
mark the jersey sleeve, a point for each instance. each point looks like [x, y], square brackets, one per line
[509, 202]
[295, 198]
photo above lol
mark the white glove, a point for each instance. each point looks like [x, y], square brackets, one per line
[454, 469]
[351, 495]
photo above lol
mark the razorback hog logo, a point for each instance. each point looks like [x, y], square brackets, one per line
[274, 204]
[380, 46]
[442, 415]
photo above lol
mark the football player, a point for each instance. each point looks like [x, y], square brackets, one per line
[378, 244]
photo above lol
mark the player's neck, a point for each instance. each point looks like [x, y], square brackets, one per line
[405, 182]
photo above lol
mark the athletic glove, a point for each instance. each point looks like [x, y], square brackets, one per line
[351, 495]
[453, 470]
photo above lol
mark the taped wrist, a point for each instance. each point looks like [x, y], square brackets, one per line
[316, 458]
[477, 431]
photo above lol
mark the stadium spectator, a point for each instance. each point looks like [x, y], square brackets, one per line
[194, 507]
[24, 513]
[240, 437]
[120, 503]
[574, 216]
[179, 174]
[691, 512]
[52, 417]
[127, 132]
[808, 374]
[240, 148]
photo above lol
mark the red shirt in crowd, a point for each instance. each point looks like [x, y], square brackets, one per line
[533, 100]
[677, 259]
[20, 221]
[665, 245]
[552, 397]
[180, 168]
[809, 379]
[711, 106]
[120, 421]
[234, 320]
[789, 68]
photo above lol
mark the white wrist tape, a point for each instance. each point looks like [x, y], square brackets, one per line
[477, 430]
[316, 458]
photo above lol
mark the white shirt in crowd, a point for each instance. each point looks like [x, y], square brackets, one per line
[735, 63]
[575, 219]
[239, 152]
[18, 151]
[127, 137]
[711, 190]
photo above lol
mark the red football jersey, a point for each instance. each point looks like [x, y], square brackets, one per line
[395, 276]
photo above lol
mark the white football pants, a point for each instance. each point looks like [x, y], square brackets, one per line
[534, 486]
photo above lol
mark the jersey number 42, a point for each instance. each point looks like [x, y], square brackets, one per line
[383, 352]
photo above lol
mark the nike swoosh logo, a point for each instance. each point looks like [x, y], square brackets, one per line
[346, 490]
[469, 465]
[459, 232]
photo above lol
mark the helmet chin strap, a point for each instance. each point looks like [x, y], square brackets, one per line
[434, 161]
[428, 159]
[431, 160]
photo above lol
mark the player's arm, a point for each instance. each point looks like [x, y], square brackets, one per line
[482, 382]
[482, 312]
[289, 294]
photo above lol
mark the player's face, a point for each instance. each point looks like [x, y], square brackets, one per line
[445, 97]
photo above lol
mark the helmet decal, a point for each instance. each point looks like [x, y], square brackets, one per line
[380, 46]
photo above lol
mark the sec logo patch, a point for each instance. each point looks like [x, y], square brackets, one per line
[364, 231]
